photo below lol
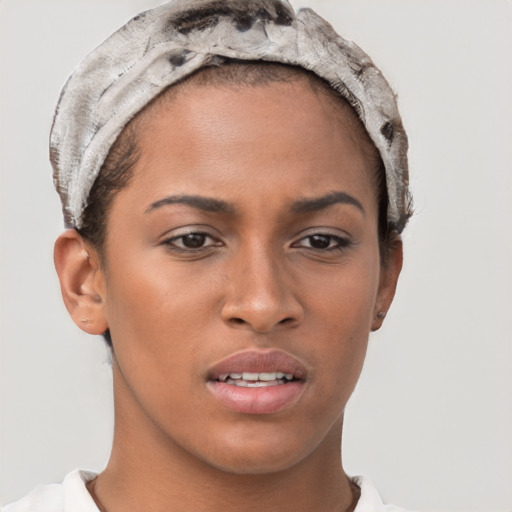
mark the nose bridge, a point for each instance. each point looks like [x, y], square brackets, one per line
[259, 294]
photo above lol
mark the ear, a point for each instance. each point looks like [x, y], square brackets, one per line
[390, 270]
[82, 282]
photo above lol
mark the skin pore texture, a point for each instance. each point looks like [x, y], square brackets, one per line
[250, 224]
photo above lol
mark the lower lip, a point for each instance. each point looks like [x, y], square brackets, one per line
[264, 400]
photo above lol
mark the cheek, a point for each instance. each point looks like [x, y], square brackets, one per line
[341, 309]
[160, 322]
[342, 297]
[159, 315]
[157, 298]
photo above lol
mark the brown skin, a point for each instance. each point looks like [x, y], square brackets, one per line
[256, 283]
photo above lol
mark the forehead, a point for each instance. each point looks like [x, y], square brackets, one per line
[264, 79]
[239, 75]
[225, 139]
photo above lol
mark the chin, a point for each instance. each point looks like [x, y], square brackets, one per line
[259, 453]
[255, 464]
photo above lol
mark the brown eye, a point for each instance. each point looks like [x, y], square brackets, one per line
[323, 242]
[194, 240]
[320, 241]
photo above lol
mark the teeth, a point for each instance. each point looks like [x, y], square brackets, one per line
[262, 384]
[254, 384]
[248, 379]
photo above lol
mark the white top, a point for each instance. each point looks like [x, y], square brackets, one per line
[72, 496]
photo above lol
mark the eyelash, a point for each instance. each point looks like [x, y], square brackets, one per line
[171, 242]
[341, 243]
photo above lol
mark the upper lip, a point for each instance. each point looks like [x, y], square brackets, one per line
[258, 361]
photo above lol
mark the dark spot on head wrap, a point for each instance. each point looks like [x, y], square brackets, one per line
[244, 23]
[140, 16]
[244, 15]
[388, 131]
[196, 20]
[360, 70]
[283, 17]
[179, 58]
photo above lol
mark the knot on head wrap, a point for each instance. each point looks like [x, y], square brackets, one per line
[162, 46]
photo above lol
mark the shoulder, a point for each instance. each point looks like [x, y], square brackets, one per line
[69, 496]
[370, 500]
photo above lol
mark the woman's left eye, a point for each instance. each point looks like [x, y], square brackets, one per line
[192, 241]
[322, 242]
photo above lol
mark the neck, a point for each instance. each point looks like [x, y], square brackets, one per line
[147, 470]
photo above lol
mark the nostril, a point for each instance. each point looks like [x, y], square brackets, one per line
[241, 321]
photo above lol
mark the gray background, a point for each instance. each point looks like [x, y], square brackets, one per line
[431, 419]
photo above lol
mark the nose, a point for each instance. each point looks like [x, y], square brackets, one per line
[260, 295]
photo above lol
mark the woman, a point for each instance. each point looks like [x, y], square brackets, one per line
[234, 178]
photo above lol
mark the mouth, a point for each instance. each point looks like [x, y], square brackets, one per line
[257, 382]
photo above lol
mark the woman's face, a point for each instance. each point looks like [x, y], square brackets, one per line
[244, 248]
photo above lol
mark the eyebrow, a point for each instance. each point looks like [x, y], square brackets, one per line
[202, 203]
[301, 206]
[310, 205]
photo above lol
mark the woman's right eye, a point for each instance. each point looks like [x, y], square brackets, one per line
[193, 241]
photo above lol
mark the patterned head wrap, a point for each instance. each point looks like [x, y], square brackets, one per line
[161, 46]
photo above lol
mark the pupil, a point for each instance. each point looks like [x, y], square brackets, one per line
[194, 240]
[320, 241]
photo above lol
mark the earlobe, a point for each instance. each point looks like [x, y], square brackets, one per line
[389, 274]
[81, 281]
